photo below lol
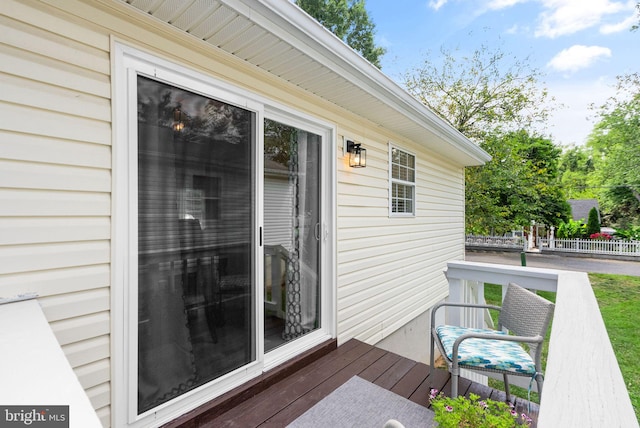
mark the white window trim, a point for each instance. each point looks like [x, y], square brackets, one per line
[406, 183]
[128, 62]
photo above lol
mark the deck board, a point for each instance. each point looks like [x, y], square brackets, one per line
[283, 402]
[392, 376]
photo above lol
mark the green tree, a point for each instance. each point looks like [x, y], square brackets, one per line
[518, 185]
[481, 94]
[349, 21]
[571, 229]
[576, 168]
[615, 141]
[494, 99]
[593, 222]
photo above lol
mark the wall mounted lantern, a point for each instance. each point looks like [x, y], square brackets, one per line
[179, 119]
[357, 155]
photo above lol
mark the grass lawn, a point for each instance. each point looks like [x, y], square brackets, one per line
[619, 300]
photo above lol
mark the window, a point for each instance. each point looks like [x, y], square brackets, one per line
[402, 181]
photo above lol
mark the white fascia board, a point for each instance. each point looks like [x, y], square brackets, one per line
[292, 24]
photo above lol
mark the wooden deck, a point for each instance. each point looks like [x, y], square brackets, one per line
[280, 397]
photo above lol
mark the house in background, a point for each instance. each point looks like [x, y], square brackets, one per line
[175, 187]
[580, 209]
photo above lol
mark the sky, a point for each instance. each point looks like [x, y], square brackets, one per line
[579, 46]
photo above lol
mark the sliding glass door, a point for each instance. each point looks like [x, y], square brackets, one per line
[292, 233]
[221, 265]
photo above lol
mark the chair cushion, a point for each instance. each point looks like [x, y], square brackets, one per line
[486, 353]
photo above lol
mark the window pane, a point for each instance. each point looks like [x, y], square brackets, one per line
[403, 159]
[402, 198]
[395, 171]
[402, 166]
[195, 217]
[403, 174]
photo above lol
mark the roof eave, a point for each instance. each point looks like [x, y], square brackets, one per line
[304, 32]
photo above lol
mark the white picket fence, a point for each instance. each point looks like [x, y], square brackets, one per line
[592, 246]
[496, 241]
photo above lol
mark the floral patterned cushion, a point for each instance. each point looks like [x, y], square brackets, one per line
[484, 353]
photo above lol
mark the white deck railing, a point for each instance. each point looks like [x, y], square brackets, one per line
[591, 246]
[583, 383]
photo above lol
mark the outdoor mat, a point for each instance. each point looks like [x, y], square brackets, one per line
[361, 404]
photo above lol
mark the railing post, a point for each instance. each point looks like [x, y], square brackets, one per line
[455, 295]
[480, 300]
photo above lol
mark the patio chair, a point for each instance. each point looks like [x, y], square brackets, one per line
[525, 314]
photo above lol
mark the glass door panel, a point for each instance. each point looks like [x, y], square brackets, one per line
[292, 231]
[196, 314]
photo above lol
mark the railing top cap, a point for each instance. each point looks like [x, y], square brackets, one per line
[496, 268]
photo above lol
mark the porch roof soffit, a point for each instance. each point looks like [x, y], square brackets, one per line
[281, 39]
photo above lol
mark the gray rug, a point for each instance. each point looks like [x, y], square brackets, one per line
[361, 404]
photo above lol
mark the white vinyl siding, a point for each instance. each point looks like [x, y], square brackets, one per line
[391, 269]
[55, 182]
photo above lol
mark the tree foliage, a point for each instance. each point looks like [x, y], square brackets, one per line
[481, 94]
[571, 229]
[576, 167]
[349, 21]
[495, 99]
[615, 144]
[593, 222]
[518, 185]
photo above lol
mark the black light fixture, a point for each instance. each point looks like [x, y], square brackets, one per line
[179, 119]
[357, 155]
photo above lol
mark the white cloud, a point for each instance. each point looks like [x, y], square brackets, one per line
[513, 30]
[437, 4]
[502, 4]
[562, 17]
[624, 25]
[578, 57]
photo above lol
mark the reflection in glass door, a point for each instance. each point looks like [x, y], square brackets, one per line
[292, 232]
[195, 214]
